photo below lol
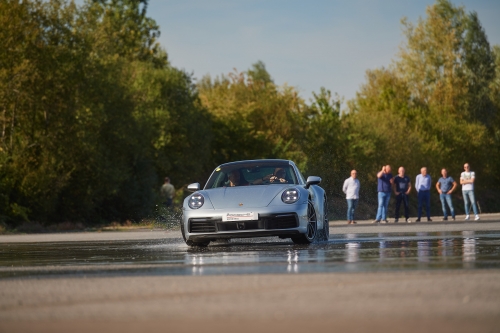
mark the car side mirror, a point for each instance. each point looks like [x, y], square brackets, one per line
[193, 187]
[312, 180]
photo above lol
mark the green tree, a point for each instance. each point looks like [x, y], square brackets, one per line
[253, 118]
[324, 139]
[79, 139]
[432, 107]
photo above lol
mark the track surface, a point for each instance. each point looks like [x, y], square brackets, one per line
[366, 278]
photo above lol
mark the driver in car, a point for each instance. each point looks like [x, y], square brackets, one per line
[278, 176]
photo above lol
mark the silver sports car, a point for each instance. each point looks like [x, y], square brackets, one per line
[258, 198]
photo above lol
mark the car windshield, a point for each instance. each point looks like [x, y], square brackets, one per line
[246, 174]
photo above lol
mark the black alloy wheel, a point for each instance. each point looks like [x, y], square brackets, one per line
[312, 227]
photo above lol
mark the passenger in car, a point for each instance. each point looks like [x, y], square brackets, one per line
[235, 179]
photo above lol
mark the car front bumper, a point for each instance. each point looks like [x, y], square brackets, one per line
[272, 221]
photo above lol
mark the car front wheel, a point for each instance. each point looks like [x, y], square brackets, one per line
[312, 227]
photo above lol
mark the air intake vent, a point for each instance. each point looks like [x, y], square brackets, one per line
[283, 221]
[202, 225]
[243, 225]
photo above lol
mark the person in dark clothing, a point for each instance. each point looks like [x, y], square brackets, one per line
[385, 182]
[402, 187]
[235, 178]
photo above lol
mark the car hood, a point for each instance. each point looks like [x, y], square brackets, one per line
[244, 196]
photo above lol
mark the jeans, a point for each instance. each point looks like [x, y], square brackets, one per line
[383, 203]
[351, 206]
[446, 199]
[424, 197]
[469, 195]
[402, 197]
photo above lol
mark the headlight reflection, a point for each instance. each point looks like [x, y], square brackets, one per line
[293, 260]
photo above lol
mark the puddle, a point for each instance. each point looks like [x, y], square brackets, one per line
[343, 253]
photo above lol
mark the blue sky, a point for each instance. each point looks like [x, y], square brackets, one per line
[305, 44]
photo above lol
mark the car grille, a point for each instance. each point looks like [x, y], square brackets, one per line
[267, 221]
[243, 225]
[203, 225]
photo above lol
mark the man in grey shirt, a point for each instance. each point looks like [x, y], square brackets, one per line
[167, 192]
[351, 189]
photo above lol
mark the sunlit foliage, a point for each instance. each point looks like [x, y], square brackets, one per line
[435, 105]
[93, 115]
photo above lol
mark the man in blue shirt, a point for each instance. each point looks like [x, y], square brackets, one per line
[423, 187]
[402, 187]
[445, 186]
[385, 181]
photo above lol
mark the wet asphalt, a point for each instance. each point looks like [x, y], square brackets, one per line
[349, 251]
[422, 276]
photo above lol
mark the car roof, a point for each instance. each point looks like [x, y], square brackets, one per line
[260, 161]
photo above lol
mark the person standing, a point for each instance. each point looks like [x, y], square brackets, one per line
[423, 187]
[384, 186]
[167, 192]
[467, 181]
[351, 190]
[445, 186]
[402, 187]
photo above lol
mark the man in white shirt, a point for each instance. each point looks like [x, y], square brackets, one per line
[467, 181]
[423, 187]
[351, 189]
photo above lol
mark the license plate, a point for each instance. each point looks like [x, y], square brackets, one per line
[239, 217]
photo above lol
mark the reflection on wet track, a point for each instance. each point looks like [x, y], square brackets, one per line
[343, 253]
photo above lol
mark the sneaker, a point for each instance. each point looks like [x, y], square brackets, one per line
[476, 218]
[395, 220]
[467, 217]
[376, 221]
[429, 220]
[417, 220]
[385, 221]
[444, 219]
[408, 221]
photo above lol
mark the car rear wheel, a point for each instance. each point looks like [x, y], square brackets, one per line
[312, 227]
[190, 242]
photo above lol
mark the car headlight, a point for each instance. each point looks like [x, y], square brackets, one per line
[196, 201]
[290, 195]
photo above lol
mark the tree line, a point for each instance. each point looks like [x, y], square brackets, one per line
[93, 116]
